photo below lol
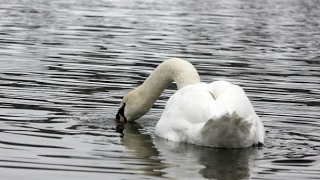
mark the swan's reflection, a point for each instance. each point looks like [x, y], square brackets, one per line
[143, 149]
[181, 160]
[141, 144]
[211, 163]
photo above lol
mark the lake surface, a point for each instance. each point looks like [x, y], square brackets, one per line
[66, 64]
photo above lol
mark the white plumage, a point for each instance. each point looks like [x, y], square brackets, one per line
[218, 114]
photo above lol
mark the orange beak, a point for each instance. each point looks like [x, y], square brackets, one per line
[121, 119]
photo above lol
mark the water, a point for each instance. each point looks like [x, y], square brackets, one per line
[65, 65]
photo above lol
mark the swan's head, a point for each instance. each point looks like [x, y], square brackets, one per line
[132, 107]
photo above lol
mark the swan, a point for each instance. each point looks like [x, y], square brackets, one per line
[218, 114]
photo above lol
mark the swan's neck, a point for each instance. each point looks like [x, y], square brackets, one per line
[172, 70]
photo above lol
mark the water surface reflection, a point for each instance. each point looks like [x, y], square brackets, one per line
[65, 65]
[171, 159]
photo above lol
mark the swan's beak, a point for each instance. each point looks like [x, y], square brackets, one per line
[120, 118]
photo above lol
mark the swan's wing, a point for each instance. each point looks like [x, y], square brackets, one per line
[186, 109]
[232, 117]
[228, 130]
[232, 98]
[227, 124]
[217, 114]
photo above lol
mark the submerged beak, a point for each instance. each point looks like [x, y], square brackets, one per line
[120, 118]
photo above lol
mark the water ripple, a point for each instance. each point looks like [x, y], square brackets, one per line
[65, 65]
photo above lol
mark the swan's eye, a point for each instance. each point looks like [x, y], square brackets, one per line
[120, 118]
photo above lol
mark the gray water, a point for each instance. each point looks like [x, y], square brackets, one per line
[65, 65]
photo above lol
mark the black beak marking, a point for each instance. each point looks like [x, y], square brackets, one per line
[120, 115]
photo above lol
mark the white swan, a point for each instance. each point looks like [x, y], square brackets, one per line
[218, 114]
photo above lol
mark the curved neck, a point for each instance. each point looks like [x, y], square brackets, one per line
[171, 70]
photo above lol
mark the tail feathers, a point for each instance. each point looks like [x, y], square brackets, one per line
[229, 130]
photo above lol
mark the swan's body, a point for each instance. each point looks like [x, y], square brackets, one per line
[215, 115]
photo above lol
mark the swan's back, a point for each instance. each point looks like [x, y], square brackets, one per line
[217, 115]
[232, 98]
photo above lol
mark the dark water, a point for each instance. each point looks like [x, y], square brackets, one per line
[65, 65]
